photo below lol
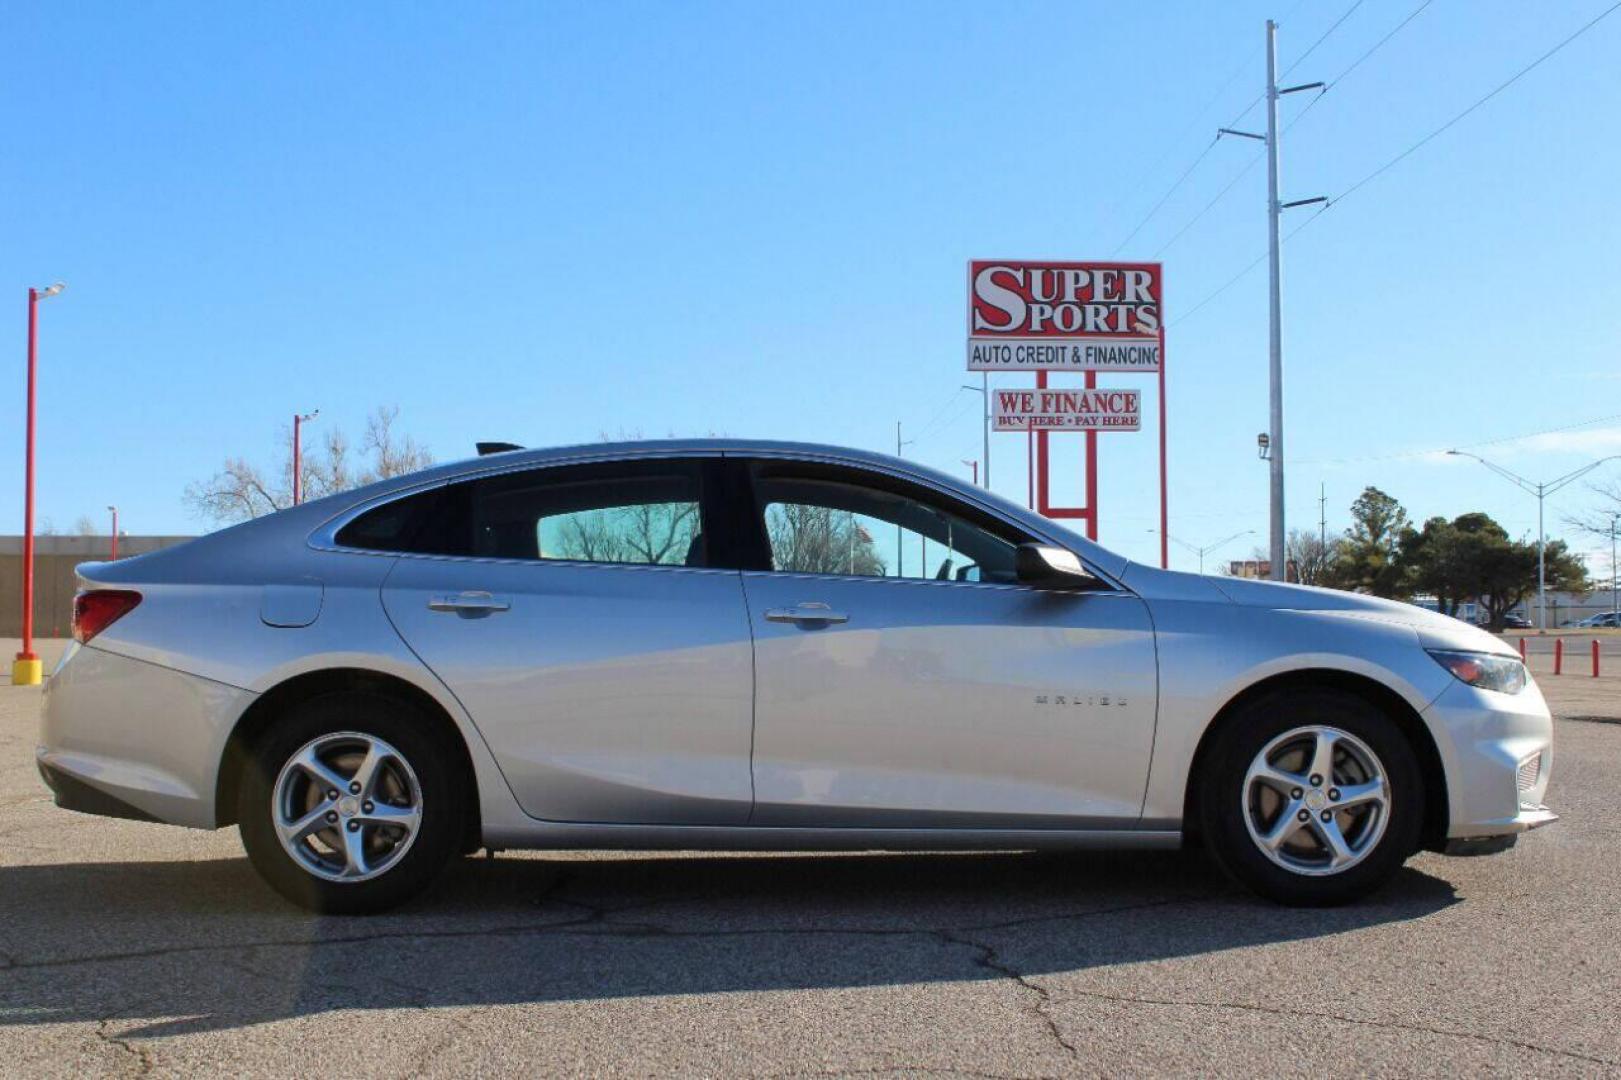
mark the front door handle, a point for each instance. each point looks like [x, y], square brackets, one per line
[806, 613]
[469, 603]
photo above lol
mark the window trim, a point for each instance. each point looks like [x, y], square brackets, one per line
[706, 466]
[900, 483]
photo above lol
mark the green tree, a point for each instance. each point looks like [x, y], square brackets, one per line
[1366, 558]
[1508, 575]
[1472, 557]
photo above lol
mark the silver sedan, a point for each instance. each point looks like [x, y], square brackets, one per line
[726, 644]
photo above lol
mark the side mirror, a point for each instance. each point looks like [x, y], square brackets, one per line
[1048, 567]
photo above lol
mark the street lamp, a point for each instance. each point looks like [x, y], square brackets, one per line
[1208, 548]
[984, 390]
[26, 670]
[1615, 609]
[1541, 491]
[298, 456]
[114, 511]
[972, 464]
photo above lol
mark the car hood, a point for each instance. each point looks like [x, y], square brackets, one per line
[1434, 630]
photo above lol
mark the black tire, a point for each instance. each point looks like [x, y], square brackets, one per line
[444, 793]
[1225, 804]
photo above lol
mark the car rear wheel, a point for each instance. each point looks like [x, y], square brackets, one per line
[1311, 798]
[351, 804]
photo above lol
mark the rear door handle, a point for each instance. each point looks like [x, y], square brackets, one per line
[469, 603]
[806, 613]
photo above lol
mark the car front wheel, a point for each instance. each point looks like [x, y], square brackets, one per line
[1312, 798]
[350, 804]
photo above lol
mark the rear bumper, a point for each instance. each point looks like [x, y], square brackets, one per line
[74, 794]
[127, 738]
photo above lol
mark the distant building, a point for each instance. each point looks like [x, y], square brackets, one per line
[1260, 569]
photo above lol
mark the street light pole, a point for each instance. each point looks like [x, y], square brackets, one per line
[984, 390]
[298, 456]
[1541, 490]
[114, 510]
[1208, 548]
[1615, 609]
[972, 464]
[26, 670]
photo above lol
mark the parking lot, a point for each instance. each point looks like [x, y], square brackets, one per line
[129, 948]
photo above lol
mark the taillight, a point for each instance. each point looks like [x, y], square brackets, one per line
[96, 610]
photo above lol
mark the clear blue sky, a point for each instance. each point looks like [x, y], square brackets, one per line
[541, 222]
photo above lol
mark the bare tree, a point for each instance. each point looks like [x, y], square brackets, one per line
[241, 490]
[1309, 557]
[84, 526]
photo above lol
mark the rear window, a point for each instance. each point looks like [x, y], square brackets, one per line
[402, 525]
[644, 513]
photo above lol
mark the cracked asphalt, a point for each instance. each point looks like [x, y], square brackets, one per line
[129, 948]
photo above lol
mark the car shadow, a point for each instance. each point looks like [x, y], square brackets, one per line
[202, 945]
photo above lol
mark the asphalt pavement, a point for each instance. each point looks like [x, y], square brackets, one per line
[130, 948]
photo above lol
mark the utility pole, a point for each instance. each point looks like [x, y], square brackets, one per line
[1322, 515]
[1274, 217]
[1280, 570]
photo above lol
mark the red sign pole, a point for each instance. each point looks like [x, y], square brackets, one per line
[27, 658]
[1164, 509]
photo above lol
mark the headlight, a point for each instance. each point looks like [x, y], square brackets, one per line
[1505, 674]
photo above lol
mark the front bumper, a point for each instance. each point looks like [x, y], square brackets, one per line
[1497, 750]
[128, 738]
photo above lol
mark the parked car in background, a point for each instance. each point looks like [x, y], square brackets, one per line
[1603, 620]
[728, 644]
[1515, 621]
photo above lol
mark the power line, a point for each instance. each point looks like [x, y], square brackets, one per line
[1380, 43]
[1510, 81]
[1234, 280]
[1302, 57]
[1211, 204]
[1297, 117]
[1163, 199]
[1180, 180]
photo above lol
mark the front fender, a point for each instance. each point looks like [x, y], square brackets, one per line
[1209, 654]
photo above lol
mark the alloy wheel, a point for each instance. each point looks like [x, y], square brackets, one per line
[347, 806]
[1316, 800]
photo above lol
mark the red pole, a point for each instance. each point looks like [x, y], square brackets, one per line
[1164, 501]
[28, 486]
[1558, 656]
[1522, 650]
[1595, 658]
[1092, 470]
[297, 487]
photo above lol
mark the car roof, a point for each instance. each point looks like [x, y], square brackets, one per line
[1103, 559]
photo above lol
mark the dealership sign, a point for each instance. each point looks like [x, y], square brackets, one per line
[1064, 316]
[1067, 410]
